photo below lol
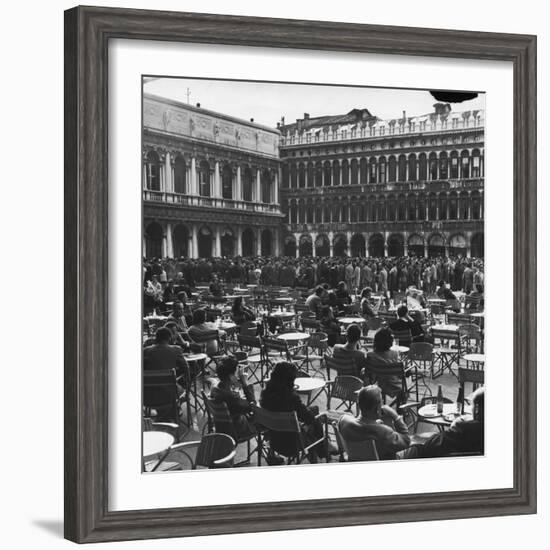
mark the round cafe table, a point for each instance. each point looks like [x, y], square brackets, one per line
[283, 315]
[350, 320]
[307, 386]
[429, 414]
[156, 443]
[400, 349]
[294, 337]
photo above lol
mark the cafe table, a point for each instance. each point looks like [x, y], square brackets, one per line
[477, 358]
[400, 349]
[306, 386]
[351, 320]
[156, 444]
[429, 414]
[294, 336]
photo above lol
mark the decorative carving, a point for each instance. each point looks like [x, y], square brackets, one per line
[166, 117]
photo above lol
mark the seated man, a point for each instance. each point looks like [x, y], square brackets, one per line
[216, 288]
[464, 436]
[178, 316]
[162, 355]
[375, 422]
[231, 379]
[342, 296]
[314, 301]
[351, 349]
[200, 327]
[405, 322]
[447, 294]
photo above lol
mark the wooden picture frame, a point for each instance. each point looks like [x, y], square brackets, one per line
[87, 34]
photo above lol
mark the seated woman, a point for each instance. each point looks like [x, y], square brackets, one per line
[231, 380]
[279, 395]
[241, 313]
[351, 350]
[382, 356]
[343, 298]
[328, 324]
[367, 310]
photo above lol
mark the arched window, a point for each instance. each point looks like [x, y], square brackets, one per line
[318, 212]
[152, 171]
[363, 170]
[402, 208]
[318, 174]
[227, 182]
[476, 164]
[309, 212]
[432, 207]
[301, 175]
[453, 206]
[204, 179]
[326, 213]
[392, 169]
[293, 176]
[411, 207]
[354, 172]
[293, 213]
[433, 166]
[335, 173]
[301, 212]
[382, 170]
[453, 169]
[465, 159]
[285, 176]
[412, 168]
[421, 207]
[310, 174]
[442, 206]
[180, 175]
[402, 168]
[265, 185]
[392, 208]
[443, 166]
[327, 173]
[422, 167]
[372, 170]
[247, 184]
[345, 172]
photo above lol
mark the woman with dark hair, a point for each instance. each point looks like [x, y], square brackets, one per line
[366, 307]
[382, 356]
[233, 381]
[279, 395]
[241, 313]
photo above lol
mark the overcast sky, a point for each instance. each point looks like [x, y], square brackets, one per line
[267, 102]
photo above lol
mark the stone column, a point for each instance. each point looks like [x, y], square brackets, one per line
[259, 239]
[168, 184]
[366, 237]
[169, 241]
[258, 186]
[194, 189]
[277, 238]
[161, 175]
[217, 242]
[276, 187]
[385, 244]
[195, 243]
[239, 185]
[331, 243]
[217, 186]
[313, 245]
[239, 233]
[297, 239]
[164, 245]
[405, 244]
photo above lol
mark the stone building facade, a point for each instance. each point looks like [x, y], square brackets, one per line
[357, 185]
[210, 183]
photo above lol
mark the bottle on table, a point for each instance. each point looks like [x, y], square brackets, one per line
[439, 400]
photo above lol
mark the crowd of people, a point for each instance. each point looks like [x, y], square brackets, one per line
[332, 284]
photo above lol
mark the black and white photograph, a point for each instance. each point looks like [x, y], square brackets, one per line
[313, 273]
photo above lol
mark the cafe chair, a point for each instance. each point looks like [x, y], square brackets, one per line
[203, 338]
[470, 339]
[213, 451]
[420, 360]
[446, 354]
[342, 366]
[219, 421]
[356, 451]
[257, 364]
[161, 394]
[343, 389]
[383, 375]
[474, 376]
[314, 351]
[372, 325]
[296, 449]
[402, 337]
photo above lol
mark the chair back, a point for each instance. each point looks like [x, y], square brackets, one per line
[474, 376]
[318, 341]
[358, 451]
[218, 416]
[344, 366]
[278, 346]
[310, 324]
[459, 319]
[249, 328]
[300, 308]
[472, 303]
[247, 341]
[420, 351]
[379, 372]
[345, 389]
[470, 332]
[214, 447]
[160, 390]
[403, 337]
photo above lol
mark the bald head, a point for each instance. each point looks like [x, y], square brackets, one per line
[369, 399]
